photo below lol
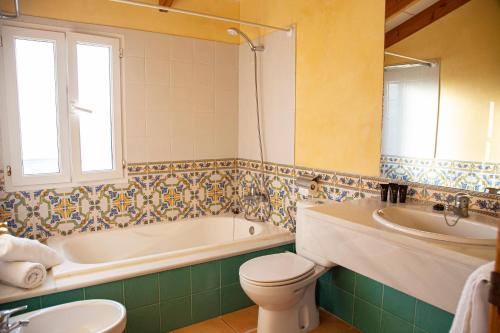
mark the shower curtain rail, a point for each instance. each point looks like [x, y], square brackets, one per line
[192, 13]
[426, 63]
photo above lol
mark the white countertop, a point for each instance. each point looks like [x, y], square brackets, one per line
[357, 215]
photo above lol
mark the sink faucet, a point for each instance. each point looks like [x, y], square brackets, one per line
[461, 205]
[5, 326]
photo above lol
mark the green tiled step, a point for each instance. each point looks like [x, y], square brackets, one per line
[164, 301]
[374, 307]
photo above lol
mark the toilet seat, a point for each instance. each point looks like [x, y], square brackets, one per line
[276, 270]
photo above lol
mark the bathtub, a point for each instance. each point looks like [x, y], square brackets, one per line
[121, 253]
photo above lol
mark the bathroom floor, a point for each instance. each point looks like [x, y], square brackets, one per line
[245, 321]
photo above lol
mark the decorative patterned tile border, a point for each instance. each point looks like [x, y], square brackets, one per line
[174, 190]
[473, 176]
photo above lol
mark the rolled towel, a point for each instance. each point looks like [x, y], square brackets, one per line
[22, 274]
[24, 249]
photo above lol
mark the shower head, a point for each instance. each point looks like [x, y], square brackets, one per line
[236, 32]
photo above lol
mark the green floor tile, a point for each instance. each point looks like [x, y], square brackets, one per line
[343, 304]
[32, 303]
[112, 291]
[431, 319]
[366, 316]
[205, 276]
[399, 304]
[234, 298]
[175, 283]
[141, 291]
[206, 305]
[230, 268]
[368, 290]
[393, 324]
[175, 313]
[144, 320]
[63, 297]
[344, 278]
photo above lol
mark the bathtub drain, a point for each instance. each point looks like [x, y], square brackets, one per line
[251, 230]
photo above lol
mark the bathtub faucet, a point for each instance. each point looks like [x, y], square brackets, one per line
[254, 198]
[5, 326]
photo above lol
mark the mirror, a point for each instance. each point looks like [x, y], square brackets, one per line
[441, 117]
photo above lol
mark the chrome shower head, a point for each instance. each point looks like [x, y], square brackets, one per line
[236, 32]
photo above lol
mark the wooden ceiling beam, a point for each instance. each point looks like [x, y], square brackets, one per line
[421, 20]
[166, 3]
[392, 7]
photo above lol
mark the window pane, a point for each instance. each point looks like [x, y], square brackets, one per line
[37, 100]
[94, 93]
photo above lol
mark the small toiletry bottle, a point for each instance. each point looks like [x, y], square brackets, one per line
[393, 192]
[403, 190]
[384, 190]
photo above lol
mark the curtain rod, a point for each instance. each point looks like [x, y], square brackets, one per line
[189, 12]
[426, 63]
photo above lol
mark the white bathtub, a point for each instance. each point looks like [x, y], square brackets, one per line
[140, 250]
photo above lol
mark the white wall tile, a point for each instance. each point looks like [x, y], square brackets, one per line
[159, 125]
[204, 52]
[157, 71]
[204, 74]
[204, 124]
[157, 97]
[157, 46]
[134, 69]
[204, 147]
[135, 44]
[182, 147]
[136, 124]
[182, 49]
[204, 99]
[182, 73]
[158, 150]
[135, 97]
[181, 99]
[137, 150]
[182, 123]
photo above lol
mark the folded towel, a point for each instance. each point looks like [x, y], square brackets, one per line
[22, 274]
[472, 311]
[24, 249]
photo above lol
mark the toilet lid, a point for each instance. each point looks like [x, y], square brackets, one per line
[279, 267]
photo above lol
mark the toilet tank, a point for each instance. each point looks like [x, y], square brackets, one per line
[305, 243]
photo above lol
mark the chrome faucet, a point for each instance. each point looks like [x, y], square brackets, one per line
[461, 205]
[5, 326]
[255, 197]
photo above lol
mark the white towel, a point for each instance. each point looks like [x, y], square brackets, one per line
[24, 249]
[22, 274]
[472, 310]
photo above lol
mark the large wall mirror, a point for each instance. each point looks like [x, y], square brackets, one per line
[441, 117]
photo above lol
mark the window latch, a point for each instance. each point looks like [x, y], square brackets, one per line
[77, 109]
[9, 170]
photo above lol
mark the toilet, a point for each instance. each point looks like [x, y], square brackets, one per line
[283, 285]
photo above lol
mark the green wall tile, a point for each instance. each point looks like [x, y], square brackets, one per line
[343, 304]
[112, 291]
[32, 303]
[324, 292]
[175, 283]
[205, 276]
[344, 278]
[368, 290]
[230, 268]
[393, 324]
[63, 297]
[418, 330]
[144, 320]
[175, 313]
[366, 316]
[206, 305]
[399, 304]
[234, 298]
[141, 291]
[432, 319]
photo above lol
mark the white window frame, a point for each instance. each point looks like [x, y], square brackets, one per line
[70, 174]
[114, 45]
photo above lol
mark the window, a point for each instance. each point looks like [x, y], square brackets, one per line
[63, 110]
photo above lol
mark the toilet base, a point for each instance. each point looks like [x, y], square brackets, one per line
[301, 318]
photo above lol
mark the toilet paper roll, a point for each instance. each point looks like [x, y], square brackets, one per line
[308, 192]
[307, 185]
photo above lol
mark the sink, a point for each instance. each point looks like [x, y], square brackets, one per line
[90, 316]
[475, 229]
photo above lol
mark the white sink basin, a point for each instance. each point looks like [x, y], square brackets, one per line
[90, 316]
[476, 229]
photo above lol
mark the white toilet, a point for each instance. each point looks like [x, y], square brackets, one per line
[283, 285]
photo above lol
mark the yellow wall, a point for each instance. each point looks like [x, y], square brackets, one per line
[467, 42]
[338, 80]
[119, 15]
